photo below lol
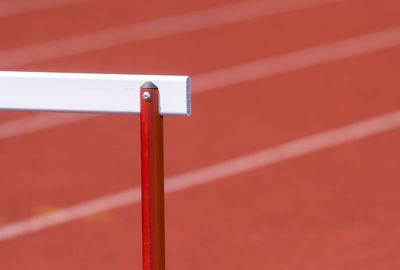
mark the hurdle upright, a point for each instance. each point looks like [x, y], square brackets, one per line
[151, 96]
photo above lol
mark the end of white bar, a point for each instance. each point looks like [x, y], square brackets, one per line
[188, 97]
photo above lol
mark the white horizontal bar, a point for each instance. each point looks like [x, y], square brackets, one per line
[94, 93]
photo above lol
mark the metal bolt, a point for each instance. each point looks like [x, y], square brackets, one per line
[146, 96]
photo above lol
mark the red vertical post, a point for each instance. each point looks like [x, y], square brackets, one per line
[152, 155]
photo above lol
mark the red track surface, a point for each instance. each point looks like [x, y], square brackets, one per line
[333, 209]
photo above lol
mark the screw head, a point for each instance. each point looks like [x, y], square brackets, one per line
[146, 96]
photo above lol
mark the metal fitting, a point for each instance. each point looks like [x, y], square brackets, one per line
[146, 96]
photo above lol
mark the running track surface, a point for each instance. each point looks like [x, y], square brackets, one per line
[336, 207]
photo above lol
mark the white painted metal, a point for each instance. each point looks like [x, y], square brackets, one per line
[94, 93]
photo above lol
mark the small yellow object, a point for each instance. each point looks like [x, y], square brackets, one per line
[45, 210]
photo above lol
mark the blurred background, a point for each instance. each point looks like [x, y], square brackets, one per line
[290, 159]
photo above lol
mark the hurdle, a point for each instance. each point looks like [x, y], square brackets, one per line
[150, 96]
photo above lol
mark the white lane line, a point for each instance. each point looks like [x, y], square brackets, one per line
[153, 29]
[297, 60]
[37, 122]
[16, 7]
[238, 74]
[210, 174]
